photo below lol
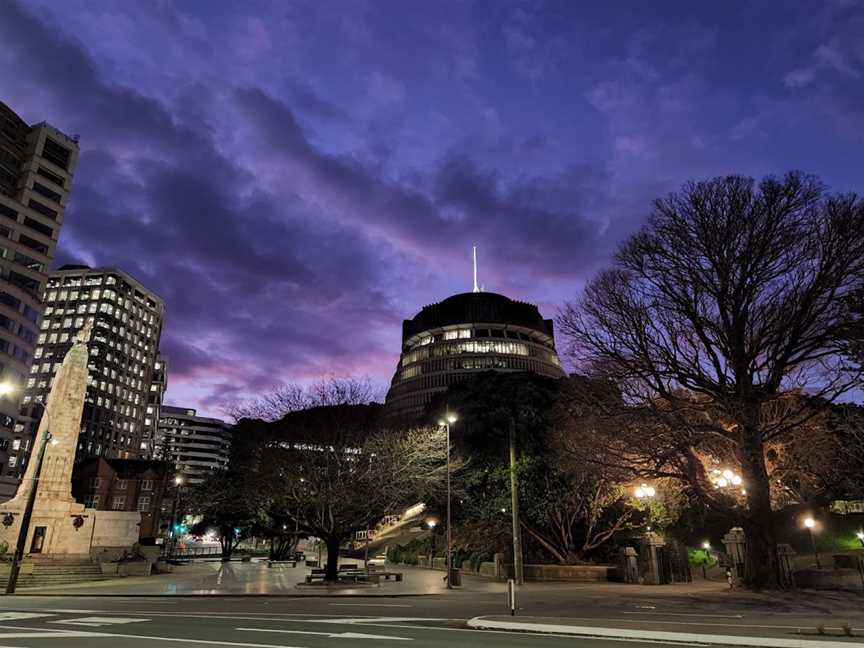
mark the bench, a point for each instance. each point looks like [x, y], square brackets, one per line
[383, 571]
[317, 574]
[278, 563]
[355, 575]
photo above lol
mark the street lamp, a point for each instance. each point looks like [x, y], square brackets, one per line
[18, 556]
[448, 420]
[860, 536]
[809, 523]
[6, 388]
[707, 547]
[642, 492]
[172, 530]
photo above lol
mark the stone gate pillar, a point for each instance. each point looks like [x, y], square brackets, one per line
[736, 547]
[651, 542]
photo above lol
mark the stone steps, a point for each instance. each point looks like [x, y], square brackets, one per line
[41, 572]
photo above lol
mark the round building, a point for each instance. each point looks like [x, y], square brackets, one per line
[466, 334]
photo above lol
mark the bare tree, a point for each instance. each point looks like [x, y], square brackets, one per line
[335, 480]
[733, 293]
[284, 398]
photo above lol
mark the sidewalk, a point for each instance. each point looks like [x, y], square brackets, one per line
[244, 579]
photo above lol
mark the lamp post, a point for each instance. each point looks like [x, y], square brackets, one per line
[707, 547]
[23, 529]
[860, 536]
[448, 420]
[809, 523]
[645, 492]
[172, 532]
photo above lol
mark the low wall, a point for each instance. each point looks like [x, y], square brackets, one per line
[538, 573]
[830, 579]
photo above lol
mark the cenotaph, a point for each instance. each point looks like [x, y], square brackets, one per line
[60, 526]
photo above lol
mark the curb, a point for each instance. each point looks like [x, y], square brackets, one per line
[286, 595]
[485, 623]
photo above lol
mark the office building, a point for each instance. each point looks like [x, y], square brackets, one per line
[158, 385]
[464, 335]
[37, 163]
[196, 445]
[123, 350]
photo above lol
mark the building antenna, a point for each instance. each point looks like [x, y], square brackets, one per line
[476, 287]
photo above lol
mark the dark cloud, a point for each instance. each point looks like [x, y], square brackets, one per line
[293, 186]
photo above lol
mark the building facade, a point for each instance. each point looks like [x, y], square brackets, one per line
[37, 163]
[158, 385]
[127, 325]
[196, 445]
[125, 485]
[466, 334]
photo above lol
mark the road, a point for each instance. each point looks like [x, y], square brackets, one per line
[307, 622]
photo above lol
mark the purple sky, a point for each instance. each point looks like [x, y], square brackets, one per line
[295, 178]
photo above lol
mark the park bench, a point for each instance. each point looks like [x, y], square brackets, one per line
[356, 575]
[279, 563]
[383, 571]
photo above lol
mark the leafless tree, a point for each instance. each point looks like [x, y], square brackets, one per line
[292, 397]
[731, 295]
[335, 480]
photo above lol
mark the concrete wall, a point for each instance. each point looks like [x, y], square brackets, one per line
[540, 573]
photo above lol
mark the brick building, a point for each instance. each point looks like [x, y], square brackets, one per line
[125, 485]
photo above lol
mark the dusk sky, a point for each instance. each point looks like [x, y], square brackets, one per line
[295, 178]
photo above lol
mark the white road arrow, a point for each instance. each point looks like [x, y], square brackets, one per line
[332, 635]
[95, 621]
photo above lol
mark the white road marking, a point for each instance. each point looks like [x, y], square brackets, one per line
[100, 621]
[371, 605]
[689, 614]
[332, 635]
[374, 619]
[20, 616]
[47, 634]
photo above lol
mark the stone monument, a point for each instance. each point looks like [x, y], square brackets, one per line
[60, 525]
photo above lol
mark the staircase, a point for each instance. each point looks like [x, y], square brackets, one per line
[44, 572]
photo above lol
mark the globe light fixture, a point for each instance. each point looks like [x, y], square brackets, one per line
[644, 490]
[809, 522]
[6, 388]
[706, 545]
[725, 478]
[452, 418]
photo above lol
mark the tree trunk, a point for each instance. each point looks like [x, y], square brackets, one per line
[760, 570]
[227, 543]
[332, 568]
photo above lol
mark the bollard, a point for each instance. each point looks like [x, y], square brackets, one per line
[511, 596]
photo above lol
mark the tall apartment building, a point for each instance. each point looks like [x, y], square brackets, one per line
[37, 163]
[196, 445]
[124, 348]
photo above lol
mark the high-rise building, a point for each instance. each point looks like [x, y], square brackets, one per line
[196, 445]
[467, 334]
[37, 163]
[158, 385]
[124, 351]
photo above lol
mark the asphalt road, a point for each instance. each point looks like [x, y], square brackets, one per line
[305, 622]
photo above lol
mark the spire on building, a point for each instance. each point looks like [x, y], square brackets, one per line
[476, 287]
